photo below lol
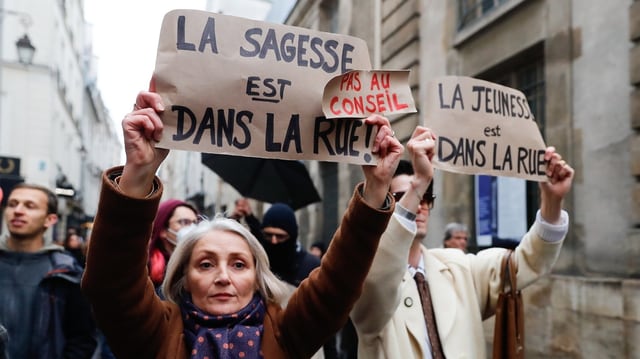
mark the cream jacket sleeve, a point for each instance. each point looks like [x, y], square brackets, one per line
[382, 288]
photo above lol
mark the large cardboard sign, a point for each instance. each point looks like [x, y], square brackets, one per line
[484, 128]
[363, 93]
[251, 88]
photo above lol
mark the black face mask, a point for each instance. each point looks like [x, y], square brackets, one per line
[282, 258]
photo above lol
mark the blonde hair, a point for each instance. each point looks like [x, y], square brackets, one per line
[270, 287]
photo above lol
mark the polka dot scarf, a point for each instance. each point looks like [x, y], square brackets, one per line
[229, 336]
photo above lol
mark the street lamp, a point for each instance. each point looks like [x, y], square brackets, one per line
[26, 50]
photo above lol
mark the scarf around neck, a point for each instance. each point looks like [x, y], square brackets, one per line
[235, 335]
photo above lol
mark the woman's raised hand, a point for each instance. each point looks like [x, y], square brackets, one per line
[142, 129]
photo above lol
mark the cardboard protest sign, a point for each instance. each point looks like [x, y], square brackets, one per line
[363, 93]
[237, 86]
[484, 128]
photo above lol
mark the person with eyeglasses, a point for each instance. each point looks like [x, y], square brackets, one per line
[172, 216]
[421, 302]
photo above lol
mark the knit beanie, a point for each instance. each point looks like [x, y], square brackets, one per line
[281, 216]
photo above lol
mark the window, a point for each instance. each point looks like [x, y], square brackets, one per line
[471, 10]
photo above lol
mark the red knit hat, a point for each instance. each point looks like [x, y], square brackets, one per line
[157, 255]
[165, 210]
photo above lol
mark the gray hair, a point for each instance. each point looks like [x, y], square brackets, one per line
[454, 227]
[270, 287]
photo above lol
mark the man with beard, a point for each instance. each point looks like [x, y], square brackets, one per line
[41, 305]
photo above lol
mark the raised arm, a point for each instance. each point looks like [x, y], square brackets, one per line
[116, 281]
[378, 177]
[552, 193]
[321, 304]
[539, 248]
[142, 128]
[381, 293]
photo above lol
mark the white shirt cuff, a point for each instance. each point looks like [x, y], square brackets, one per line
[408, 224]
[552, 232]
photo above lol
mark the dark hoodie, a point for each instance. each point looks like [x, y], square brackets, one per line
[41, 305]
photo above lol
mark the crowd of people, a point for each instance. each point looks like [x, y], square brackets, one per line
[160, 281]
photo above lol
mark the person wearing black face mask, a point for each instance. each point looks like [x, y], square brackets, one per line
[287, 258]
[279, 237]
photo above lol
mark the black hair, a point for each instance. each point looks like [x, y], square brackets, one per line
[406, 168]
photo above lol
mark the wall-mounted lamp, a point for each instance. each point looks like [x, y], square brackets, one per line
[26, 50]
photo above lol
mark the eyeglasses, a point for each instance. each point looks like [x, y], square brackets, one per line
[429, 199]
[184, 222]
[280, 237]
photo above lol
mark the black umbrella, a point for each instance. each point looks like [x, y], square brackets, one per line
[265, 179]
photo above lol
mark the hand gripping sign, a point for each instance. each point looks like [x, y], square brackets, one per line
[243, 87]
[484, 128]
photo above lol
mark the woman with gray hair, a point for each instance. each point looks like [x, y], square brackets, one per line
[268, 285]
[223, 301]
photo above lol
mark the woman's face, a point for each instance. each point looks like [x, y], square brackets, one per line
[182, 217]
[221, 275]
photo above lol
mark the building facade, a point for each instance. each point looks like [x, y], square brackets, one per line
[54, 127]
[578, 63]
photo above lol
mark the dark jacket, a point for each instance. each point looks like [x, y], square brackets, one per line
[140, 325]
[61, 324]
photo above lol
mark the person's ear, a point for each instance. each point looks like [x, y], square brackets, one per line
[50, 220]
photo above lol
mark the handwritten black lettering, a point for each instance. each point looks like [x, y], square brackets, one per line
[506, 159]
[468, 151]
[456, 97]
[273, 89]
[292, 135]
[492, 100]
[492, 131]
[323, 127]
[208, 36]
[330, 55]
[347, 132]
[531, 161]
[181, 42]
[346, 137]
[219, 128]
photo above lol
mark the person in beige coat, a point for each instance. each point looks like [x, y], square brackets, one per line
[464, 287]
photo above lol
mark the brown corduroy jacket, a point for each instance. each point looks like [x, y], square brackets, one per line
[137, 324]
